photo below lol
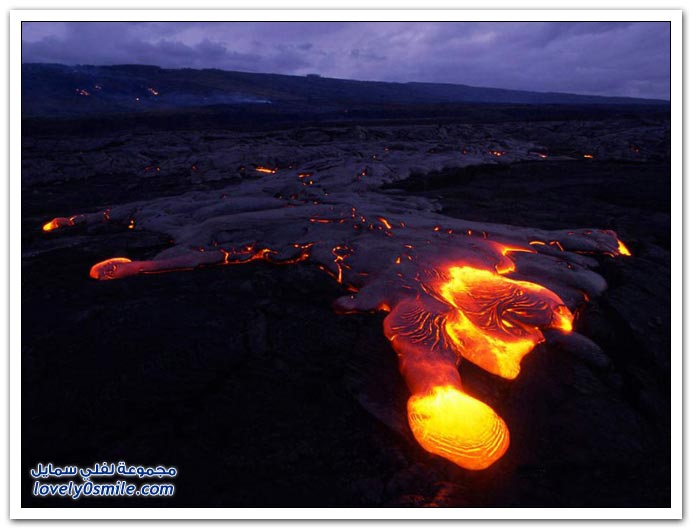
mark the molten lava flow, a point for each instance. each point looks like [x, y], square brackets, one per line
[496, 319]
[453, 289]
[60, 222]
[267, 170]
[110, 269]
[488, 319]
[56, 223]
[120, 267]
[454, 425]
[622, 249]
[385, 222]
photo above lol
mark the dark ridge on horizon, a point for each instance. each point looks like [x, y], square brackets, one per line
[57, 90]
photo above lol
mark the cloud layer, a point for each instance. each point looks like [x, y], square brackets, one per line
[599, 58]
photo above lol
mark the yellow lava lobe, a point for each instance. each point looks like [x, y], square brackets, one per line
[563, 319]
[496, 320]
[495, 353]
[451, 424]
[108, 269]
[58, 222]
[50, 226]
[622, 249]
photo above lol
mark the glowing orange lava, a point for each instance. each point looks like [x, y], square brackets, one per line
[52, 225]
[450, 296]
[109, 269]
[485, 317]
[385, 222]
[454, 425]
[267, 170]
[622, 249]
[59, 222]
[497, 319]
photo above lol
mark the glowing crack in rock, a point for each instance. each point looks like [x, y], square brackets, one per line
[453, 289]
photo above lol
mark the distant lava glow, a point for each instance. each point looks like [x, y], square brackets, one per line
[267, 170]
[453, 289]
[61, 222]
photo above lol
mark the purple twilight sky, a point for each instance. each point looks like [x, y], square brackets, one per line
[600, 58]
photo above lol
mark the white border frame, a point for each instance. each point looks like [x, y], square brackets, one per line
[17, 17]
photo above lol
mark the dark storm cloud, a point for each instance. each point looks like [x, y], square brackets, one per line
[604, 58]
